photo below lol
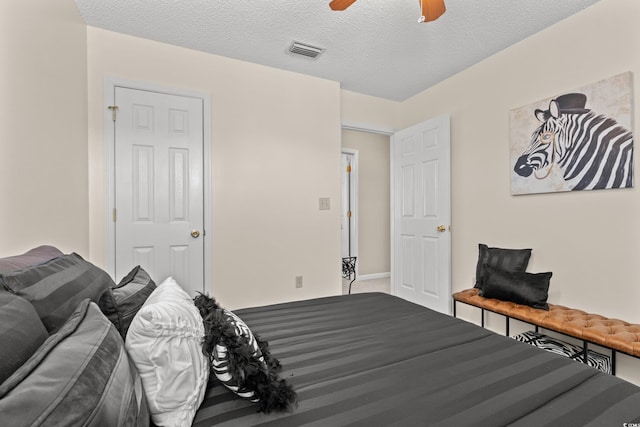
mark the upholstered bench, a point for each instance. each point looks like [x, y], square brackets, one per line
[613, 334]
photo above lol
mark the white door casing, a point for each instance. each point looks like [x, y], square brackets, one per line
[159, 186]
[421, 266]
[349, 189]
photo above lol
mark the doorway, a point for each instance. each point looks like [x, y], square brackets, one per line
[370, 165]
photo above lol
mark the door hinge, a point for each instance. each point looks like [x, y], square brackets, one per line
[114, 109]
[114, 215]
[348, 168]
[348, 214]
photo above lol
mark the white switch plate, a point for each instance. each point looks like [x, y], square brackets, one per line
[324, 203]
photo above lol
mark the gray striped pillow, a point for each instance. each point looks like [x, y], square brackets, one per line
[121, 303]
[80, 376]
[55, 288]
[21, 333]
[33, 256]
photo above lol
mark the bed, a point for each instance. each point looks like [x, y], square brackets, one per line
[365, 359]
[375, 359]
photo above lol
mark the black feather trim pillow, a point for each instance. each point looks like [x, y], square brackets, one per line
[241, 361]
[238, 347]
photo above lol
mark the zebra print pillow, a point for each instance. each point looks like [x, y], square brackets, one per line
[242, 361]
[594, 359]
[240, 345]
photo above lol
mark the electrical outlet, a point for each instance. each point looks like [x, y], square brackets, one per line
[324, 203]
[298, 281]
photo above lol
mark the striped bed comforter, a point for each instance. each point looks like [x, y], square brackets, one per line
[377, 360]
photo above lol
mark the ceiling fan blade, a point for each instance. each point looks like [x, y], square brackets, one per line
[432, 9]
[340, 4]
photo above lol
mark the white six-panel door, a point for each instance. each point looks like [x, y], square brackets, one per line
[159, 186]
[422, 214]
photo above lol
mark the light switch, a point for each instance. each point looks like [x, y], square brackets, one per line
[324, 203]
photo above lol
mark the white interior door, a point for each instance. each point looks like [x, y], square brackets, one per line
[421, 268]
[159, 211]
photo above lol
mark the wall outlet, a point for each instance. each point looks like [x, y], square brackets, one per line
[324, 203]
[298, 281]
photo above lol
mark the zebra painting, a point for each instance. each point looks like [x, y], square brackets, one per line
[573, 147]
[593, 151]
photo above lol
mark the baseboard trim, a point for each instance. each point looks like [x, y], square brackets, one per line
[373, 276]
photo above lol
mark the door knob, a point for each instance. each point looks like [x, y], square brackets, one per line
[195, 234]
[441, 228]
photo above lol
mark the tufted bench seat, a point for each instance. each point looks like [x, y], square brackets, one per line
[614, 334]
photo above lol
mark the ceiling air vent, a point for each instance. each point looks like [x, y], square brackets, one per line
[305, 49]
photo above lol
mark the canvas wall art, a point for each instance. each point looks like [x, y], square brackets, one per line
[576, 140]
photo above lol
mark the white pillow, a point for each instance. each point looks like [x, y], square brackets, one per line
[165, 343]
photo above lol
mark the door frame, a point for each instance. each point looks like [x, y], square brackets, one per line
[110, 83]
[354, 200]
[381, 130]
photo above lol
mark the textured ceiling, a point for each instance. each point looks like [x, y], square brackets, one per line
[376, 47]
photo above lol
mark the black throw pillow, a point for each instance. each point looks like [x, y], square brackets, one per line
[517, 286]
[505, 259]
[121, 303]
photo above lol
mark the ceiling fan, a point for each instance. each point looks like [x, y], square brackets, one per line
[431, 9]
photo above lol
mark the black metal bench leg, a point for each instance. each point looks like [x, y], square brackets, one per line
[585, 354]
[613, 362]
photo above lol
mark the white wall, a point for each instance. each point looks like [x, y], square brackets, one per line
[261, 121]
[43, 126]
[368, 112]
[275, 151]
[590, 240]
[276, 144]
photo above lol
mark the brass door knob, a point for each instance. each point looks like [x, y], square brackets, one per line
[441, 228]
[195, 234]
